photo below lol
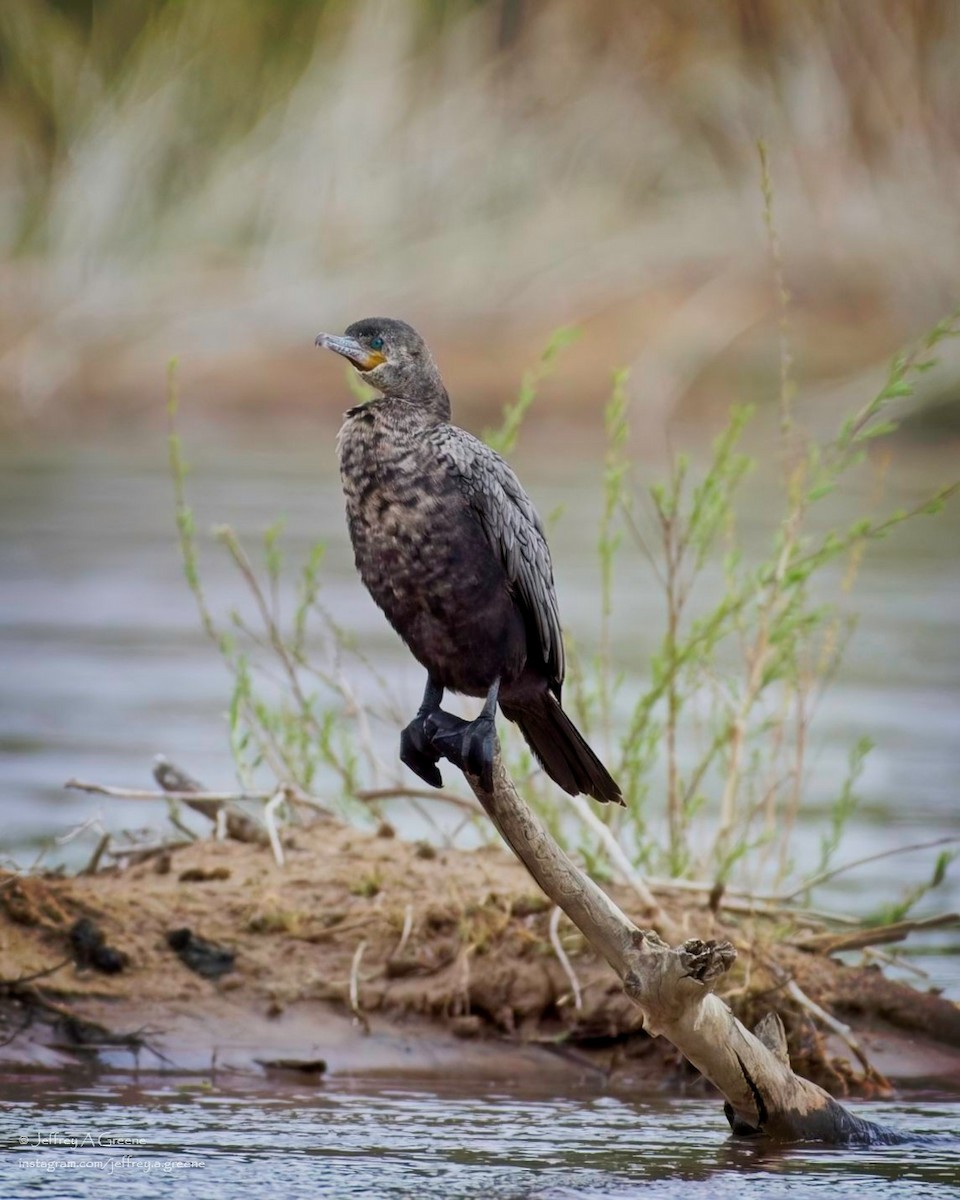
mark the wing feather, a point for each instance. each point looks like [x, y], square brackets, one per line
[514, 530]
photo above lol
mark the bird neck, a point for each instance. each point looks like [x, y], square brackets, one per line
[435, 401]
[425, 408]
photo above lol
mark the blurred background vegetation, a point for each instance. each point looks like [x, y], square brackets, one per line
[222, 178]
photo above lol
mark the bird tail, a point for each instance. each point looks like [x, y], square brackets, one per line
[561, 748]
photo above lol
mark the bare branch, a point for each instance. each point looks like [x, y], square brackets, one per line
[98, 789]
[844, 1032]
[831, 943]
[374, 795]
[674, 988]
[815, 880]
[94, 863]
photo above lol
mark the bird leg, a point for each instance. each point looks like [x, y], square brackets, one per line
[469, 745]
[416, 750]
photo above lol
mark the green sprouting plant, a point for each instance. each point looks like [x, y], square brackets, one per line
[504, 438]
[615, 496]
[747, 666]
[290, 688]
[844, 806]
[890, 914]
[724, 713]
[748, 646]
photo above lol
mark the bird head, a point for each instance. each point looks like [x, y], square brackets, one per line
[389, 355]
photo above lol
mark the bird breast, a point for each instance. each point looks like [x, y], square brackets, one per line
[421, 550]
[392, 485]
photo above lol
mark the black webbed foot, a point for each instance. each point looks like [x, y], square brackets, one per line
[417, 752]
[469, 745]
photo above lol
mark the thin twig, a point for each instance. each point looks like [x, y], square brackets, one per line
[563, 959]
[292, 664]
[293, 794]
[740, 900]
[228, 537]
[844, 1032]
[355, 987]
[357, 710]
[142, 850]
[816, 880]
[12, 984]
[637, 532]
[271, 826]
[332, 931]
[71, 834]
[94, 863]
[744, 900]
[79, 785]
[405, 933]
[373, 795]
[832, 943]
[173, 816]
[871, 954]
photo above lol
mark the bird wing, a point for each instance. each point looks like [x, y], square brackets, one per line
[513, 529]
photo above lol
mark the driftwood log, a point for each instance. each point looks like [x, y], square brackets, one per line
[177, 782]
[673, 987]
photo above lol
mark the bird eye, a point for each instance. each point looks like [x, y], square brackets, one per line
[376, 343]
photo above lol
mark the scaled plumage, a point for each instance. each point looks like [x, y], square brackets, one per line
[451, 548]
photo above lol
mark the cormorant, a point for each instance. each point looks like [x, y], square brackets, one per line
[451, 548]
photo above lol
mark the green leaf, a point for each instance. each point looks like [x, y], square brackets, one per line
[504, 438]
[896, 389]
[881, 429]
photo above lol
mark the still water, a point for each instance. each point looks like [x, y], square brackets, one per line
[102, 665]
[388, 1141]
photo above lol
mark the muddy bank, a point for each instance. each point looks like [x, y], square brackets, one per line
[369, 954]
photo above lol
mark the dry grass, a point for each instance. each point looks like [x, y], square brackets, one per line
[175, 181]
